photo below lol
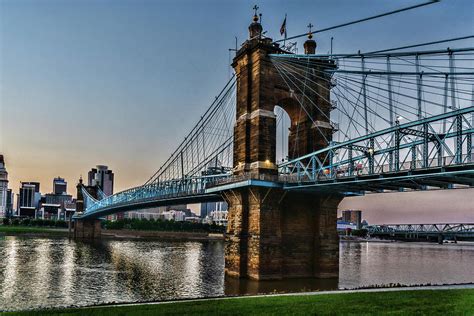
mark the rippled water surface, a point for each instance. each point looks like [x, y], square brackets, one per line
[37, 272]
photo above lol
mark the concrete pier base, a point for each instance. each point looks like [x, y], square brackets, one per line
[272, 234]
[87, 229]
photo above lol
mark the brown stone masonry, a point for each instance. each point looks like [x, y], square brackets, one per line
[274, 233]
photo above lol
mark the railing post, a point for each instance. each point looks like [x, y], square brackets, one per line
[397, 148]
[439, 151]
[371, 156]
[351, 161]
[425, 145]
[331, 157]
[313, 168]
[298, 168]
[413, 157]
[458, 139]
[469, 147]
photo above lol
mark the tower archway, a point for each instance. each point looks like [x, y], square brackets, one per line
[283, 125]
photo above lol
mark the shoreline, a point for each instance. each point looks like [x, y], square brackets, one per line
[124, 234]
[33, 231]
[161, 235]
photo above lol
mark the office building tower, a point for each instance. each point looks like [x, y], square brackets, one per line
[28, 199]
[103, 177]
[59, 186]
[209, 207]
[3, 187]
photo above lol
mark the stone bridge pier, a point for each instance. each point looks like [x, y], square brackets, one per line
[274, 233]
[86, 228]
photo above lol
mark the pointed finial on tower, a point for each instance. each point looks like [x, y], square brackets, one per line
[255, 29]
[310, 33]
[255, 16]
[310, 44]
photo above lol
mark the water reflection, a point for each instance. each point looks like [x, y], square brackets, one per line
[235, 286]
[383, 263]
[44, 272]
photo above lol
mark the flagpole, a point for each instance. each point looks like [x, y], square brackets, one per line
[284, 41]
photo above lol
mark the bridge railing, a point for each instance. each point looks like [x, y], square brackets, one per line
[155, 191]
[342, 171]
[404, 147]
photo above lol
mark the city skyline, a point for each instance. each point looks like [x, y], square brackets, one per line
[112, 105]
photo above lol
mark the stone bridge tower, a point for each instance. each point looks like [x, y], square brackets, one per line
[89, 228]
[273, 233]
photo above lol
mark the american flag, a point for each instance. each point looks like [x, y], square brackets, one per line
[283, 27]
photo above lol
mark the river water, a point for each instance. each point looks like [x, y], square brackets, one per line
[46, 272]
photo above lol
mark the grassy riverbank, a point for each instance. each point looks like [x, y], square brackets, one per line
[22, 230]
[413, 302]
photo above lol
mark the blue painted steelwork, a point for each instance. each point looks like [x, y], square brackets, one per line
[338, 161]
[416, 231]
[101, 194]
[149, 195]
[89, 200]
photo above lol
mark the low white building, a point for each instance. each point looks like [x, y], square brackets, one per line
[177, 216]
[218, 218]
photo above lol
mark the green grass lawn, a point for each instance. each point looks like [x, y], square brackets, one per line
[32, 230]
[426, 302]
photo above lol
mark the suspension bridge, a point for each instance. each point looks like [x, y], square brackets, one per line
[290, 135]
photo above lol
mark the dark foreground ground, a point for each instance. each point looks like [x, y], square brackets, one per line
[407, 302]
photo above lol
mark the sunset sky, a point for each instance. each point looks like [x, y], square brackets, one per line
[121, 83]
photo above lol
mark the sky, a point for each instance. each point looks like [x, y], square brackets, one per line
[121, 83]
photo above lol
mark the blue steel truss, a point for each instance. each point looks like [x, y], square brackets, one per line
[415, 146]
[152, 194]
[419, 230]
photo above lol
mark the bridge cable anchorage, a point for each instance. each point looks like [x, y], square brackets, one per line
[359, 21]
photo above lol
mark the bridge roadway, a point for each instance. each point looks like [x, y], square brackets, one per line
[211, 190]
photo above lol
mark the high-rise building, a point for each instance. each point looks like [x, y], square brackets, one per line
[28, 199]
[10, 200]
[352, 216]
[3, 187]
[209, 207]
[103, 177]
[59, 186]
